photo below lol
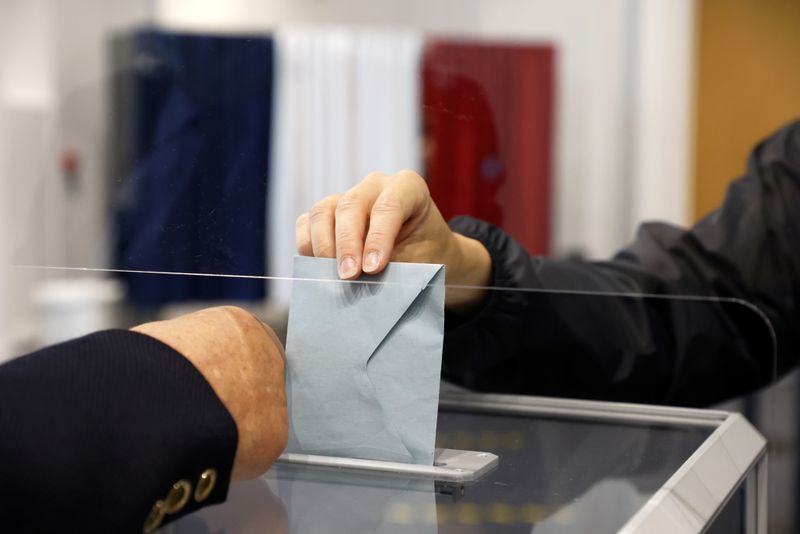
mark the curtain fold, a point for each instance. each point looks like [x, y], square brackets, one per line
[346, 104]
[488, 133]
[235, 137]
[194, 198]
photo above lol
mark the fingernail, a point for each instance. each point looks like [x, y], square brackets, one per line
[347, 267]
[371, 261]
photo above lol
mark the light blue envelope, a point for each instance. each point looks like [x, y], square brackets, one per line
[364, 361]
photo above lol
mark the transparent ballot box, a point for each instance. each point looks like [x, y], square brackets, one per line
[516, 462]
[564, 466]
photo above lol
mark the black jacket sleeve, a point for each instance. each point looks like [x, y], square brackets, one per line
[661, 349]
[94, 431]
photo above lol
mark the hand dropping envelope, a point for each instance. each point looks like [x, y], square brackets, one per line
[364, 361]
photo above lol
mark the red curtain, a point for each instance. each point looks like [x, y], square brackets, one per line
[487, 112]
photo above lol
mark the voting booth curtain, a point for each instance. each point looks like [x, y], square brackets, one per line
[222, 142]
[488, 117]
[346, 104]
[194, 199]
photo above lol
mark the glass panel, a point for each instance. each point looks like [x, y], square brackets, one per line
[555, 475]
[208, 155]
[684, 351]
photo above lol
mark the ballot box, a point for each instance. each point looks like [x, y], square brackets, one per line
[561, 466]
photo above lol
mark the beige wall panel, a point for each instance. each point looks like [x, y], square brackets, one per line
[748, 85]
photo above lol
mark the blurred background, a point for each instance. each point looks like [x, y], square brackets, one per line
[186, 136]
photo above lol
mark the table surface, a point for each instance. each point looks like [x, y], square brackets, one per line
[555, 475]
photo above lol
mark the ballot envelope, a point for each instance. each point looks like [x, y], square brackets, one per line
[364, 361]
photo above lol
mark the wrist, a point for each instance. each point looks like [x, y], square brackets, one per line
[470, 268]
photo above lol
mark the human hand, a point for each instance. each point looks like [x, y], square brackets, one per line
[393, 218]
[243, 361]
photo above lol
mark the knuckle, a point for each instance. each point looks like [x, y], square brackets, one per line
[302, 220]
[329, 201]
[408, 174]
[349, 201]
[318, 212]
[388, 203]
[345, 237]
[374, 177]
[242, 319]
[377, 237]
[413, 178]
[323, 208]
[324, 251]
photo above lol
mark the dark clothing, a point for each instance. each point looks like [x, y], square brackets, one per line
[95, 430]
[662, 349]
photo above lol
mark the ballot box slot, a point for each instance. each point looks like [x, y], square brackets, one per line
[450, 466]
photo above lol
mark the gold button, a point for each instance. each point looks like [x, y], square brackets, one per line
[154, 518]
[178, 496]
[205, 485]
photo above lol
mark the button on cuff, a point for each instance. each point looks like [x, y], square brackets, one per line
[154, 518]
[177, 497]
[205, 485]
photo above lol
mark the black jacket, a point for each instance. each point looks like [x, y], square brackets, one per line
[661, 349]
[94, 431]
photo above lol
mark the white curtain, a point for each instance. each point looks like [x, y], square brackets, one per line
[347, 103]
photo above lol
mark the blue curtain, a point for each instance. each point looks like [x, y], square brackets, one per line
[195, 197]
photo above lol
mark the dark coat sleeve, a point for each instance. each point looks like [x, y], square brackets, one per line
[665, 348]
[94, 431]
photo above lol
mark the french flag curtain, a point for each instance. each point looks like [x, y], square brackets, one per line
[235, 137]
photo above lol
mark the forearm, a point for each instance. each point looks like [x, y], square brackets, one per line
[113, 419]
[666, 348]
[468, 277]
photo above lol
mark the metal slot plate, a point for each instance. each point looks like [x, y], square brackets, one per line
[450, 465]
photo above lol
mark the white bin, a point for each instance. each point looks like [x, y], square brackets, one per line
[71, 307]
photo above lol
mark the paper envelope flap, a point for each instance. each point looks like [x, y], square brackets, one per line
[397, 297]
[406, 371]
[373, 307]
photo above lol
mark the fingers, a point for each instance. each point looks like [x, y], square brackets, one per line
[321, 227]
[302, 235]
[404, 199]
[352, 216]
[360, 227]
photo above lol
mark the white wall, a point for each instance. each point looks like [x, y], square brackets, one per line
[664, 126]
[5, 286]
[27, 97]
[82, 80]
[53, 74]
[623, 102]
